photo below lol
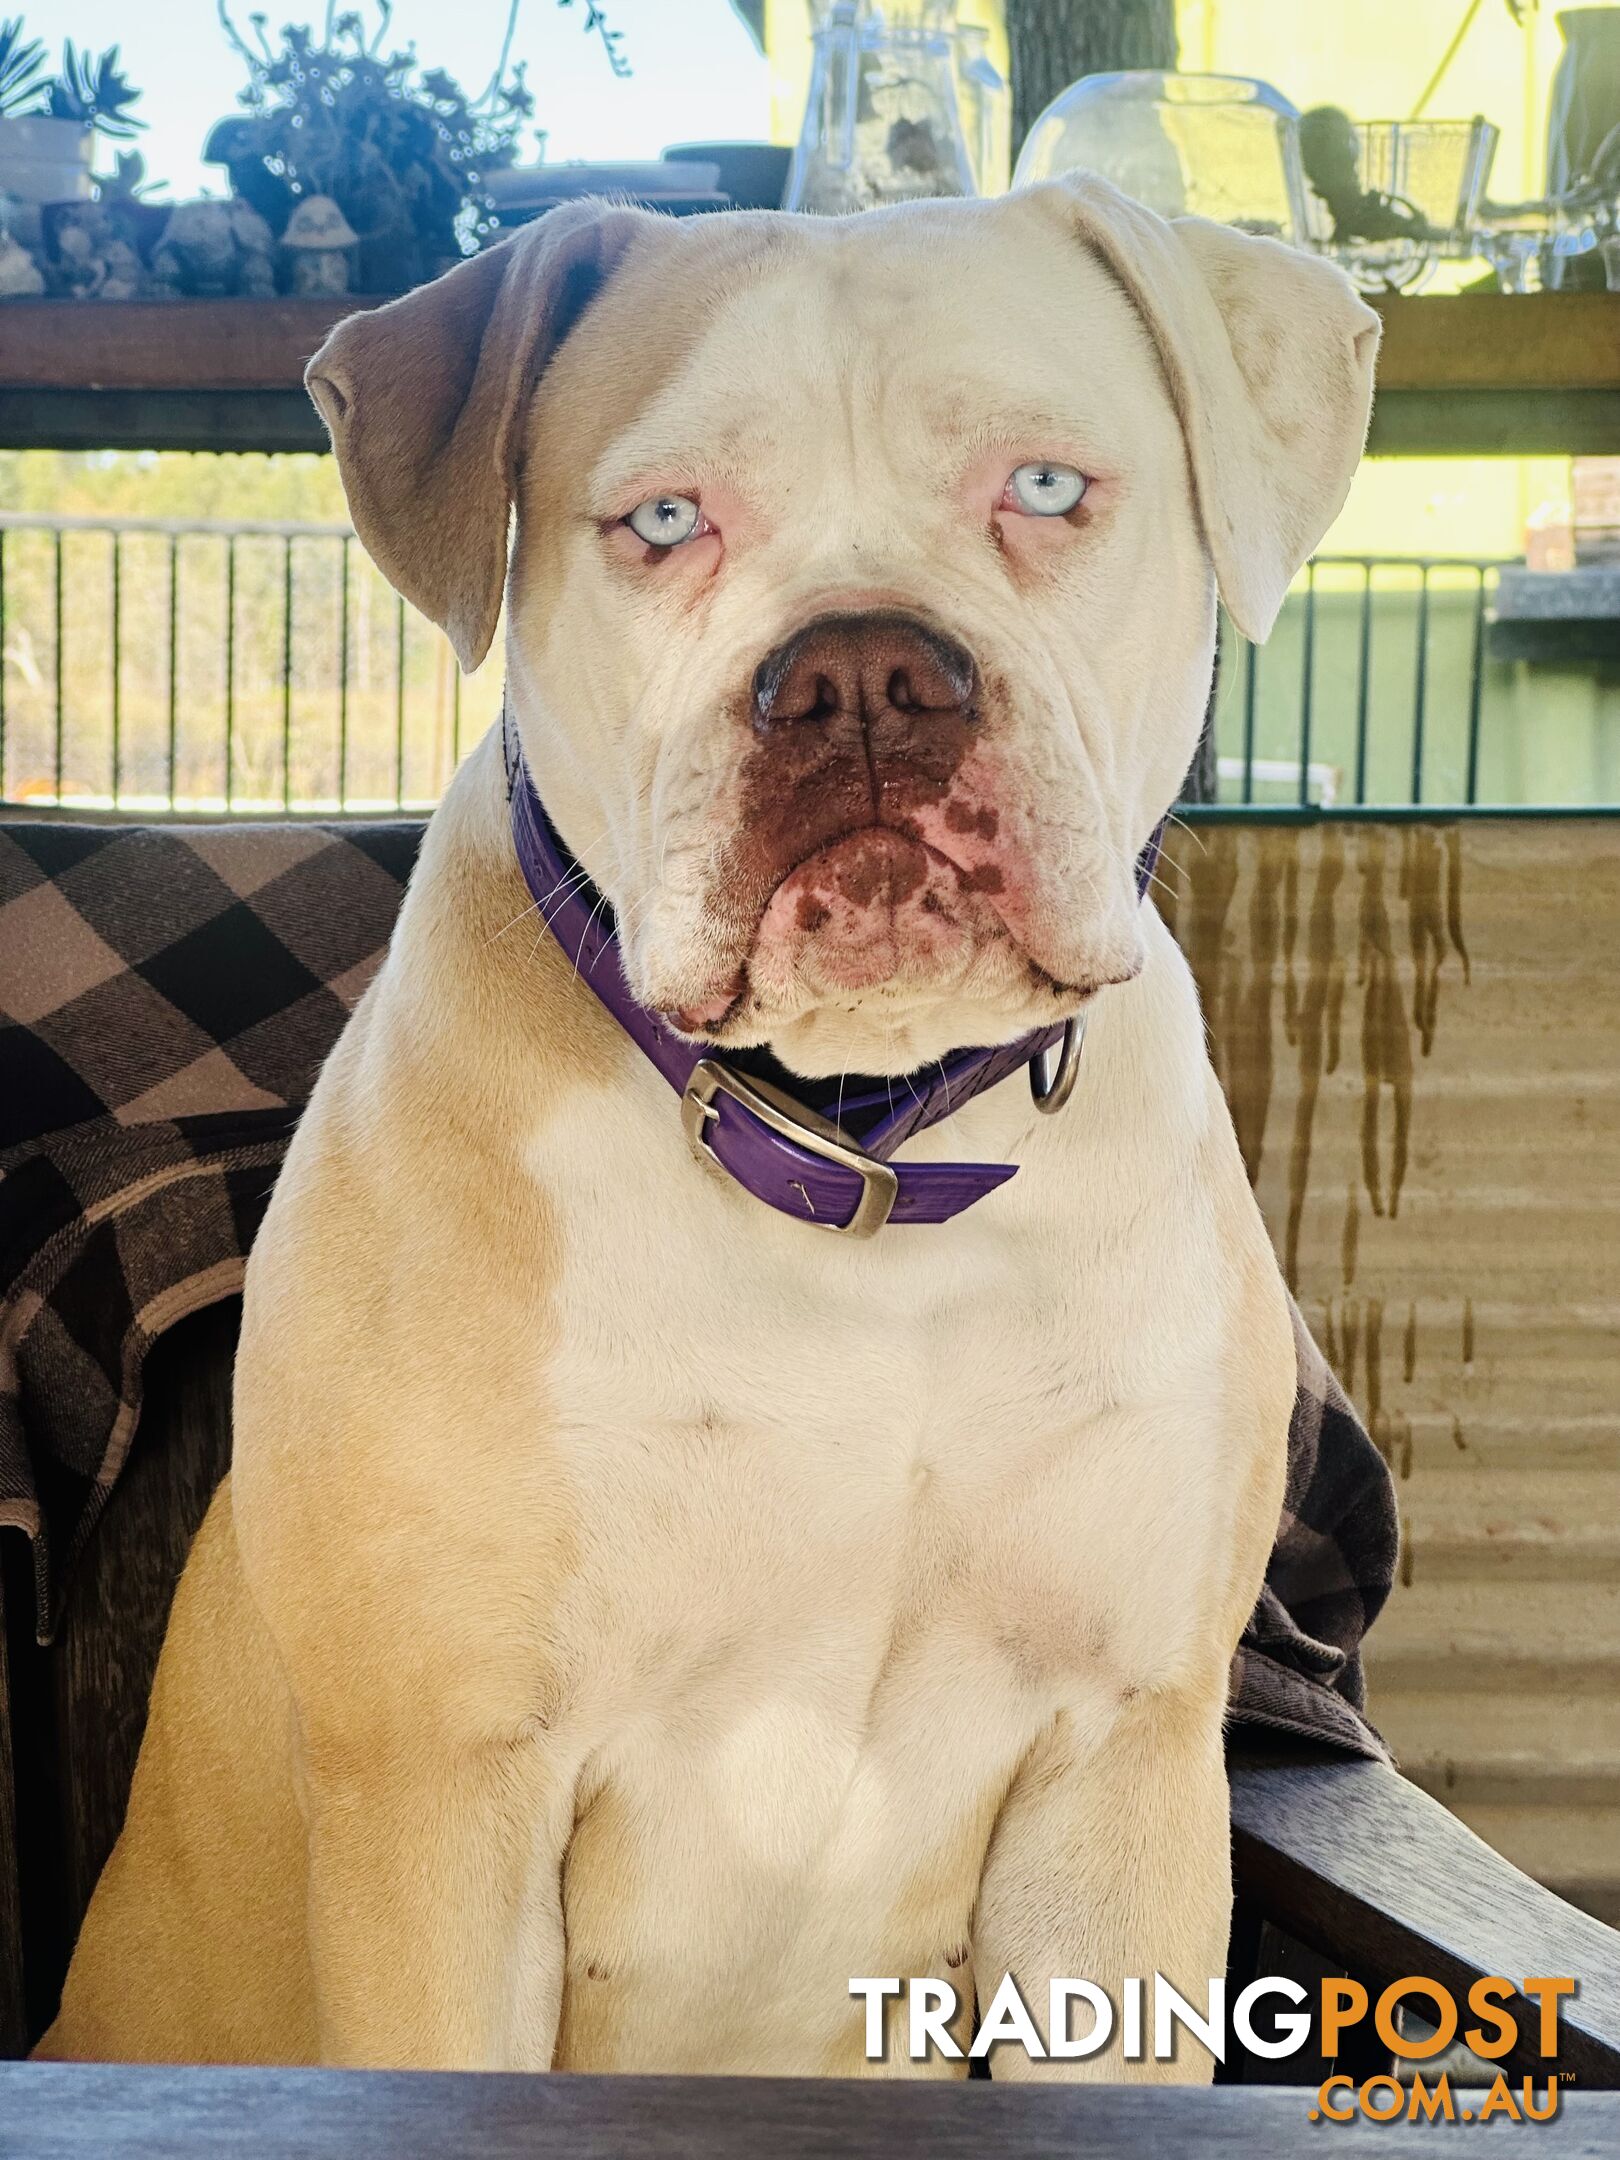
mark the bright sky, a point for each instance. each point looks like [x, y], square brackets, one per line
[697, 74]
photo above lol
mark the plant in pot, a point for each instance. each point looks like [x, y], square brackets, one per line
[48, 123]
[402, 154]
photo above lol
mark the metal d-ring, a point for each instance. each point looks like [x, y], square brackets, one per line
[1051, 1095]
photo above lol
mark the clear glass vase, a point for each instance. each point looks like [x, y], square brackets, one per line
[1216, 146]
[882, 123]
[985, 100]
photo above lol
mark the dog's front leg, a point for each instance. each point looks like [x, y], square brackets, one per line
[1110, 1863]
[435, 1919]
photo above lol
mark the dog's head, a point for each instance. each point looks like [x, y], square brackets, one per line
[861, 590]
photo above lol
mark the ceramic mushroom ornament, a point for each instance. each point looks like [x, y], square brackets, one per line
[320, 237]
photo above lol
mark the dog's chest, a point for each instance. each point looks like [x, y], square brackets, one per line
[780, 1473]
[840, 1531]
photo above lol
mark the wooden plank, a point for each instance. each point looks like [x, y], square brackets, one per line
[165, 344]
[269, 420]
[80, 2112]
[1494, 423]
[14, 1553]
[1496, 341]
[1468, 341]
[1405, 423]
[1539, 341]
[1470, 375]
[1365, 1868]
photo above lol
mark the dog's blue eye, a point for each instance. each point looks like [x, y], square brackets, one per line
[1046, 490]
[664, 520]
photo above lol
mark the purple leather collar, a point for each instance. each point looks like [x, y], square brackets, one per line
[836, 1177]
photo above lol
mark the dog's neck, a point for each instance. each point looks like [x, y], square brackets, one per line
[766, 1125]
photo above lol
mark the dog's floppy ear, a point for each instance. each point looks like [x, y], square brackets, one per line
[1269, 357]
[424, 401]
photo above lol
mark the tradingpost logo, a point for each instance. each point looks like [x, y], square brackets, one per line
[915, 2015]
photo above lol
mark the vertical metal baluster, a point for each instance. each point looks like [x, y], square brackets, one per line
[343, 673]
[399, 707]
[1420, 687]
[1250, 660]
[59, 691]
[118, 610]
[1364, 679]
[1476, 677]
[174, 658]
[1306, 689]
[230, 666]
[286, 669]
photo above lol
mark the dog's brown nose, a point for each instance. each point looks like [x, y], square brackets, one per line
[859, 667]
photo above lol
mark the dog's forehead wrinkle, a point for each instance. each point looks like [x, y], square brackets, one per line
[869, 409]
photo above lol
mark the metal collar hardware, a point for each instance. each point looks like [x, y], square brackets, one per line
[880, 1186]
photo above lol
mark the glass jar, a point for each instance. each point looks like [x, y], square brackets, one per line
[1218, 146]
[985, 99]
[881, 124]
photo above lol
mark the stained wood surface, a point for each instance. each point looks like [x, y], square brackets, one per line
[1471, 374]
[1532, 341]
[13, 2014]
[1360, 1863]
[53, 2112]
[1418, 1030]
[1501, 341]
[165, 344]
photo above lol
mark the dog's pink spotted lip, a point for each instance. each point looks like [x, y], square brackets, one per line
[901, 843]
[709, 1016]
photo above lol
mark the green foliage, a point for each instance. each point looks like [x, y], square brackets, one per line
[20, 62]
[91, 87]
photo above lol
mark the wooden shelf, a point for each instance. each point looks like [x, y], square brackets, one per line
[1470, 375]
[240, 345]
[1525, 342]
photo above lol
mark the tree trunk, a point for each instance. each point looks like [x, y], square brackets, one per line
[1054, 42]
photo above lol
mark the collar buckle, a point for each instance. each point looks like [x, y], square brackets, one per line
[880, 1185]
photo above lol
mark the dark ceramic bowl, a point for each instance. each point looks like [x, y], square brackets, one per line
[753, 174]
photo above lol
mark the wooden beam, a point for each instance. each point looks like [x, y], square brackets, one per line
[1473, 375]
[66, 2110]
[66, 419]
[1501, 342]
[165, 344]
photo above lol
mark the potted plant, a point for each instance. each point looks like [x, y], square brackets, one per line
[402, 154]
[48, 123]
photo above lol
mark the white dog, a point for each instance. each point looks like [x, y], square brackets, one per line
[635, 1611]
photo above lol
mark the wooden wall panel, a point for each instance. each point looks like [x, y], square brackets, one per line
[1418, 1028]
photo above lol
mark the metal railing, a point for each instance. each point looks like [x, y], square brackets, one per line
[219, 667]
[1375, 687]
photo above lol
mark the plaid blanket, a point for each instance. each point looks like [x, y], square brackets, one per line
[167, 996]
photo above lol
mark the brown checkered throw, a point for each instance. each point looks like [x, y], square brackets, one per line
[167, 996]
